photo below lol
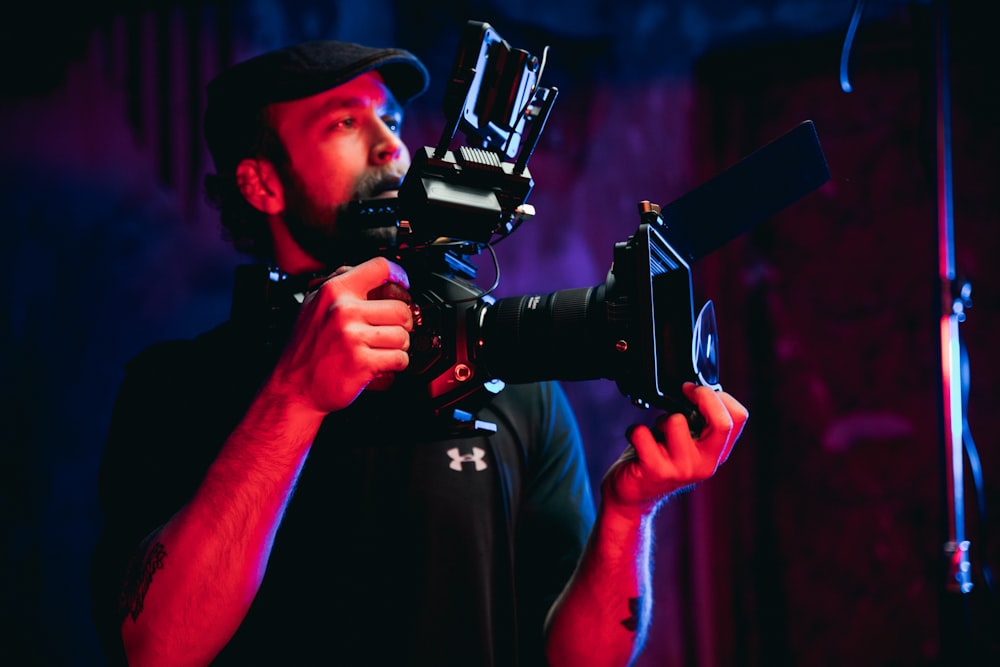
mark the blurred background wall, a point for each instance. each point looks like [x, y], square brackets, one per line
[819, 543]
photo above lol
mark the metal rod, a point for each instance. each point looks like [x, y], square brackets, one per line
[956, 544]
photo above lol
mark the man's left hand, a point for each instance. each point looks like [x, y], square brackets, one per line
[667, 458]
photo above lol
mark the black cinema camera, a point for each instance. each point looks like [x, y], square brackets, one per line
[638, 328]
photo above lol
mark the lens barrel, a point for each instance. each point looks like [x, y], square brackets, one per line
[557, 336]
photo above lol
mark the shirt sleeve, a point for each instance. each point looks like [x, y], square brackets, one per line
[556, 512]
[164, 432]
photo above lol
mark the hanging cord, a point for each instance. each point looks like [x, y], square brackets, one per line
[975, 465]
[496, 272]
[845, 53]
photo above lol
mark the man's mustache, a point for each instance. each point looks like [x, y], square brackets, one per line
[372, 184]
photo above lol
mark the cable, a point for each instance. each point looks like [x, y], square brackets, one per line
[845, 53]
[496, 278]
[972, 452]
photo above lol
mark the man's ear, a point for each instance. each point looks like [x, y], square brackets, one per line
[259, 183]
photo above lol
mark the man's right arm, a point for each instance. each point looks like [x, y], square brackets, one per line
[192, 582]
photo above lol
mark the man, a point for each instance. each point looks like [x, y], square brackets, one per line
[398, 546]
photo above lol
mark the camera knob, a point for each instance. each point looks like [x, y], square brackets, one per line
[462, 372]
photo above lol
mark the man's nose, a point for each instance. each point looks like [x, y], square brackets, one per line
[387, 146]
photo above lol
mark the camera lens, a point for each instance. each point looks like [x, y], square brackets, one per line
[546, 337]
[705, 347]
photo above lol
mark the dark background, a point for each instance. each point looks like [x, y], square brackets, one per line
[819, 543]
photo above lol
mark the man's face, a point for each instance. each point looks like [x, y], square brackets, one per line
[342, 144]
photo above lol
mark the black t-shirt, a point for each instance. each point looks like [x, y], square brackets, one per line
[398, 547]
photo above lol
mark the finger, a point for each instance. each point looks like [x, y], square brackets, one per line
[387, 338]
[388, 361]
[647, 448]
[390, 291]
[714, 439]
[684, 450]
[739, 415]
[371, 274]
[711, 407]
[666, 451]
[386, 312]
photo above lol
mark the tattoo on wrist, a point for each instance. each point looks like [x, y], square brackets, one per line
[138, 577]
[634, 614]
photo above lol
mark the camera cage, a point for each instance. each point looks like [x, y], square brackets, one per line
[460, 201]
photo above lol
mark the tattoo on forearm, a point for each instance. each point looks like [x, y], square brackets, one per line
[138, 577]
[634, 613]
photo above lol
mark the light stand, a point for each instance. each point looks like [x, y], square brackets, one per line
[955, 299]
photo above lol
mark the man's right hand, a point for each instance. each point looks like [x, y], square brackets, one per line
[212, 553]
[344, 338]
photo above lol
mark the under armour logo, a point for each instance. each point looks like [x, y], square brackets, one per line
[458, 458]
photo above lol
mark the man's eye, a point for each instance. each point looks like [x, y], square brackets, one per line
[344, 123]
[394, 124]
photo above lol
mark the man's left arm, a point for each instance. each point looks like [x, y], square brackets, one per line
[602, 615]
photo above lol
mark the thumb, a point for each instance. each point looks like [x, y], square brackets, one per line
[390, 291]
[373, 274]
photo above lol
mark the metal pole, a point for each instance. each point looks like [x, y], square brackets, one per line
[958, 584]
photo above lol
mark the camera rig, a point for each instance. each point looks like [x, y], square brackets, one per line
[638, 328]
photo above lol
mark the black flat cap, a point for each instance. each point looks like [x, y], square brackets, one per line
[236, 97]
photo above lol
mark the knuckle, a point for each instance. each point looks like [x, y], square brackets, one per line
[345, 310]
[330, 291]
[727, 423]
[352, 337]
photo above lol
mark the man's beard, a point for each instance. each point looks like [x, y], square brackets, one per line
[319, 229]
